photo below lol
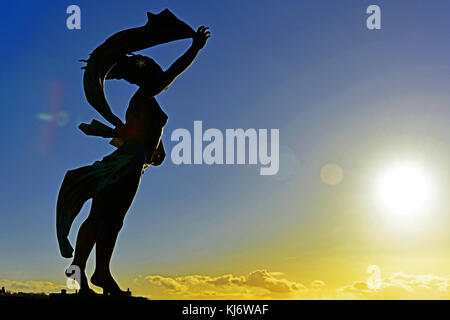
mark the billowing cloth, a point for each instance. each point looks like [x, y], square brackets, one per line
[160, 28]
[83, 183]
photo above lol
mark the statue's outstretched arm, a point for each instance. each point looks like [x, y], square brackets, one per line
[183, 62]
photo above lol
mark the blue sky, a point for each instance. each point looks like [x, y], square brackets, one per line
[337, 91]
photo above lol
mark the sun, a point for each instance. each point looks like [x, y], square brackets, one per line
[404, 189]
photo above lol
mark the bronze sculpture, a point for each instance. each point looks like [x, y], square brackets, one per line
[112, 182]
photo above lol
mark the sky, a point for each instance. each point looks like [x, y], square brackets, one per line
[352, 105]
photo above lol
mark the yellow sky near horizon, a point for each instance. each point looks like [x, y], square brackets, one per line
[262, 284]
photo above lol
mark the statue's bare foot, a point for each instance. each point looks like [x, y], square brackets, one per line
[80, 278]
[108, 284]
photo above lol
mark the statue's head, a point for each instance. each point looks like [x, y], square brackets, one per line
[136, 69]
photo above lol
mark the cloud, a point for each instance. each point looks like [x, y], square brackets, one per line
[168, 283]
[264, 279]
[399, 285]
[262, 284]
[30, 286]
[317, 284]
[258, 284]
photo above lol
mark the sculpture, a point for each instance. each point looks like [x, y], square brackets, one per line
[113, 182]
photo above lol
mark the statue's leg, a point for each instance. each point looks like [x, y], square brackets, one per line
[116, 200]
[86, 239]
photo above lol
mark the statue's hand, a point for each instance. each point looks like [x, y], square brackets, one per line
[158, 159]
[200, 38]
[159, 155]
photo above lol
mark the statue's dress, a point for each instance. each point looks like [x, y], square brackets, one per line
[146, 120]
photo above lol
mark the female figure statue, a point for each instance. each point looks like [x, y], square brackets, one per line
[113, 182]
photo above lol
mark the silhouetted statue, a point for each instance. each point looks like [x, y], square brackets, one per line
[112, 182]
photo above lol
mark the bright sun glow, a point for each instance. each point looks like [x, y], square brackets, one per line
[404, 189]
